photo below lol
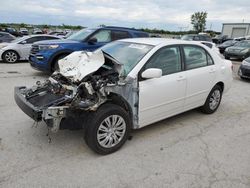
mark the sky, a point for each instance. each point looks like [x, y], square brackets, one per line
[173, 15]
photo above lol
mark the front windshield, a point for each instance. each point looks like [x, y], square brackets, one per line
[81, 35]
[245, 44]
[127, 53]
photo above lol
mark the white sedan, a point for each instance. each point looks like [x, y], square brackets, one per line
[19, 48]
[127, 84]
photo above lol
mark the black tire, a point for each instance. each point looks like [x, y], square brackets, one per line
[55, 65]
[209, 107]
[96, 120]
[10, 56]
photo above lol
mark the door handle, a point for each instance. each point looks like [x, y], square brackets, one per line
[180, 78]
[212, 71]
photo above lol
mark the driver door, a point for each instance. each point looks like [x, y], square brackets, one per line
[102, 37]
[162, 97]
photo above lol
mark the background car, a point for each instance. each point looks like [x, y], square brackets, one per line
[226, 44]
[240, 50]
[6, 37]
[196, 37]
[24, 31]
[127, 84]
[13, 31]
[211, 45]
[44, 56]
[218, 39]
[19, 48]
[244, 70]
[37, 31]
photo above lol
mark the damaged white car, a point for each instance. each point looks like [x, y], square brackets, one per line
[126, 85]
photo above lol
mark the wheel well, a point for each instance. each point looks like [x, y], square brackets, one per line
[221, 84]
[11, 51]
[56, 58]
[120, 101]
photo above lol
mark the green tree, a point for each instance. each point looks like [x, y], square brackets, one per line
[198, 20]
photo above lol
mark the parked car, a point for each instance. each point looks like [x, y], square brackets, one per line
[19, 48]
[124, 85]
[6, 37]
[211, 45]
[196, 37]
[218, 39]
[13, 31]
[226, 44]
[240, 50]
[240, 38]
[24, 31]
[37, 31]
[244, 70]
[44, 56]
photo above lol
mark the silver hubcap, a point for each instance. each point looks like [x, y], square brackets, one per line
[111, 131]
[11, 57]
[214, 99]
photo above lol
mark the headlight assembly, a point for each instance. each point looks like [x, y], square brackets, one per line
[48, 47]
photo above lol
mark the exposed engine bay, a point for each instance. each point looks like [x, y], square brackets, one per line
[81, 86]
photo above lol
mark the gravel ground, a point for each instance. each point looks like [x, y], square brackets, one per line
[188, 150]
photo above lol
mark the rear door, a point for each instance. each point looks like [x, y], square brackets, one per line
[117, 35]
[200, 72]
[162, 97]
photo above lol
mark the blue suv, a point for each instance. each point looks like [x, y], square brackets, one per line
[44, 55]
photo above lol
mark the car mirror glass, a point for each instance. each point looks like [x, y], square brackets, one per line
[151, 73]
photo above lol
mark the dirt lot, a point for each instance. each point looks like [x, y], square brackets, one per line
[188, 150]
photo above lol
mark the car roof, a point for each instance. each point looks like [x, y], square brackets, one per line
[159, 41]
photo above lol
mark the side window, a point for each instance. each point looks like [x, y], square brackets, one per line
[196, 38]
[116, 35]
[49, 38]
[209, 60]
[196, 57]
[167, 59]
[103, 36]
[34, 39]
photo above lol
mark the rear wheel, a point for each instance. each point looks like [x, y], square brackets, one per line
[107, 129]
[213, 100]
[10, 56]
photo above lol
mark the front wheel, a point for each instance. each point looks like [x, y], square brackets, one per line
[213, 100]
[108, 129]
[10, 56]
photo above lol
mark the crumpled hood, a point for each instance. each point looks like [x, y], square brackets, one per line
[79, 64]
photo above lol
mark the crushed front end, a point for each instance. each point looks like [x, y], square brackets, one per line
[71, 92]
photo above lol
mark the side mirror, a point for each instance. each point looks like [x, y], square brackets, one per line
[23, 42]
[92, 41]
[151, 73]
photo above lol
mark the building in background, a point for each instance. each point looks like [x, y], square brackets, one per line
[233, 30]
